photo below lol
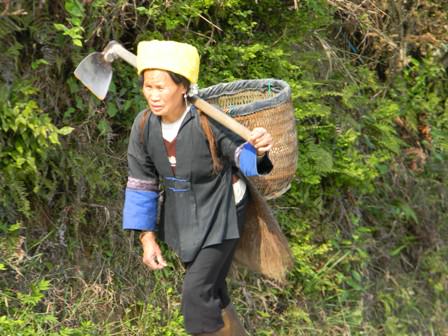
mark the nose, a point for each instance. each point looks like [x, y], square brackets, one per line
[154, 95]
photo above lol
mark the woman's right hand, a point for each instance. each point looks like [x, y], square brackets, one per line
[152, 256]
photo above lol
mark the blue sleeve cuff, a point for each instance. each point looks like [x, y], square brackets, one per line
[140, 210]
[247, 162]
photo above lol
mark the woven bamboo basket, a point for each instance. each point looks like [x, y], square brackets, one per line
[263, 103]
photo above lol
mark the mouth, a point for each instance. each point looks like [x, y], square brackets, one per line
[156, 108]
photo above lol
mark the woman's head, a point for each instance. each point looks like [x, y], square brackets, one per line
[164, 91]
[167, 68]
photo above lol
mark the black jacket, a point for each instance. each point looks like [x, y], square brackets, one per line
[198, 207]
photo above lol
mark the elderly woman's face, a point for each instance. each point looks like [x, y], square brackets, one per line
[164, 96]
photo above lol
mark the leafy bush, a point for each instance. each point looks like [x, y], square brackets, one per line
[28, 134]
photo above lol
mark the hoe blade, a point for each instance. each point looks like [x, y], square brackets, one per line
[95, 73]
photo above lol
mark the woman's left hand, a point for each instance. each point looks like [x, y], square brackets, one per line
[261, 140]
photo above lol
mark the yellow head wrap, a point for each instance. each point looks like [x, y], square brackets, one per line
[180, 58]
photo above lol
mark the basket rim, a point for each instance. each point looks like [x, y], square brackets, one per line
[281, 90]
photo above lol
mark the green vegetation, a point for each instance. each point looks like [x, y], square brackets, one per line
[366, 217]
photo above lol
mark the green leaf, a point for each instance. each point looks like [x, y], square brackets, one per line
[38, 62]
[69, 112]
[112, 109]
[103, 126]
[54, 138]
[15, 227]
[323, 160]
[408, 212]
[43, 285]
[77, 42]
[60, 27]
[74, 8]
[397, 250]
[65, 130]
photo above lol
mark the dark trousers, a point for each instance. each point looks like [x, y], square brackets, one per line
[204, 292]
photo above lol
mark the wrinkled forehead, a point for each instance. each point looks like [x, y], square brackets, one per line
[157, 76]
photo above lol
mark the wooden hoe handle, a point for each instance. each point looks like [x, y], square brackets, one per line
[221, 117]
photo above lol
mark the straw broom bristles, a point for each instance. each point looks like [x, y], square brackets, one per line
[263, 247]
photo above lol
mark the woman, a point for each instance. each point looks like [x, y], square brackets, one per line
[198, 164]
